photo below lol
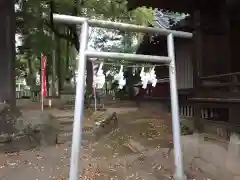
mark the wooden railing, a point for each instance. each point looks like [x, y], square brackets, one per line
[229, 80]
[219, 75]
[186, 111]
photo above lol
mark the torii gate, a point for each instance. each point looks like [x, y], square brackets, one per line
[7, 52]
[84, 53]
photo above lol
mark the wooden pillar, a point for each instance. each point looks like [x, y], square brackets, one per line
[198, 48]
[197, 66]
[7, 52]
[227, 32]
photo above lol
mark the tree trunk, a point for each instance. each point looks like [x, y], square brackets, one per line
[130, 83]
[7, 52]
[48, 72]
[73, 63]
[67, 60]
[89, 78]
[31, 79]
[130, 79]
[59, 64]
[54, 74]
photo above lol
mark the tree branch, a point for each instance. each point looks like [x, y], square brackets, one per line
[57, 33]
[74, 35]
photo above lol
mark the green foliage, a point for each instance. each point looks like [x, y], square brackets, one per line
[36, 31]
[36, 28]
[187, 126]
[21, 66]
[142, 16]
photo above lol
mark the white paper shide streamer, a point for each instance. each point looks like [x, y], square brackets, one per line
[144, 78]
[152, 77]
[99, 78]
[148, 77]
[120, 78]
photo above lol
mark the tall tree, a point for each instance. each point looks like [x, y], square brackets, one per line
[36, 30]
[7, 51]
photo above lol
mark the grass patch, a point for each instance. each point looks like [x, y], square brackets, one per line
[187, 126]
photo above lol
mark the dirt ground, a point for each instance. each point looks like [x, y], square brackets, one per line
[140, 148]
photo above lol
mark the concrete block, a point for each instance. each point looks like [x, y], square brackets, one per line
[190, 147]
[234, 146]
[233, 156]
[212, 170]
[207, 167]
[233, 165]
[213, 153]
[224, 174]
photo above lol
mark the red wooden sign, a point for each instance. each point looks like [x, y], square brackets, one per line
[43, 76]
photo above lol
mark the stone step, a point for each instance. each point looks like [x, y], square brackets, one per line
[66, 123]
[67, 106]
[98, 105]
[64, 118]
[104, 124]
[66, 128]
[64, 136]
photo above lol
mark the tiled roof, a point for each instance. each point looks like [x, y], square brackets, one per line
[166, 20]
[161, 20]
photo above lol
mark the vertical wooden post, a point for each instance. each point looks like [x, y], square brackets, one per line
[197, 66]
[198, 45]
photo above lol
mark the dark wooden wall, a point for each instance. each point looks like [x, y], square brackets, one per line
[235, 45]
[216, 57]
[7, 51]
